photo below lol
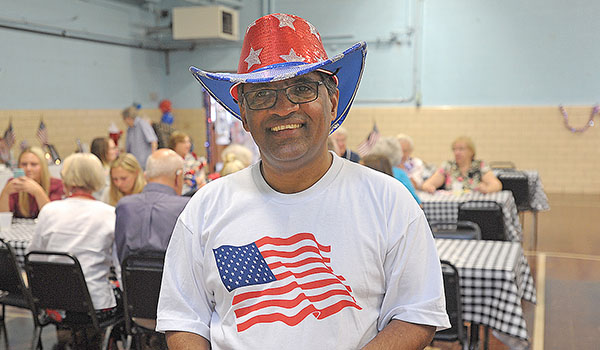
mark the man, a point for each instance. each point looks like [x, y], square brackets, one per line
[145, 221]
[301, 250]
[141, 138]
[341, 136]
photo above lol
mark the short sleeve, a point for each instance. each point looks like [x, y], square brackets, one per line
[414, 287]
[148, 131]
[484, 167]
[183, 304]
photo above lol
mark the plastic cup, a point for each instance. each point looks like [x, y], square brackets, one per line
[5, 220]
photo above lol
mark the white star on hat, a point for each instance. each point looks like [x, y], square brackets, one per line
[252, 58]
[313, 30]
[285, 21]
[292, 57]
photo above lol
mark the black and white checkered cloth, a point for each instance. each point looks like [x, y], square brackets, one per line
[443, 206]
[538, 201]
[494, 277]
[18, 236]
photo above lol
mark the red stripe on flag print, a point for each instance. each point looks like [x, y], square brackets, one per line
[304, 284]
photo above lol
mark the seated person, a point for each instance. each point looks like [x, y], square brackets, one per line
[465, 172]
[411, 165]
[126, 177]
[194, 175]
[84, 227]
[341, 136]
[390, 148]
[145, 220]
[25, 196]
[106, 150]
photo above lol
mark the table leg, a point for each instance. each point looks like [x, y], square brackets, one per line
[535, 225]
[474, 339]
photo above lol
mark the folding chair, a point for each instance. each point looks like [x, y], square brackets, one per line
[56, 282]
[13, 292]
[142, 276]
[455, 230]
[458, 330]
[518, 183]
[487, 215]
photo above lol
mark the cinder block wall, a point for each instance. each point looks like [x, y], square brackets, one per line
[531, 137]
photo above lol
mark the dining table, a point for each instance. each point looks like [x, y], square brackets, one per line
[18, 236]
[443, 206]
[494, 278]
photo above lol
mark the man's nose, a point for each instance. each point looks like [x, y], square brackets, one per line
[283, 105]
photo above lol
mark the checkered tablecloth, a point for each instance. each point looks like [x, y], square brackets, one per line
[19, 235]
[443, 206]
[494, 277]
[538, 201]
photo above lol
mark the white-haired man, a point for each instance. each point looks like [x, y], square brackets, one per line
[145, 220]
[341, 138]
[301, 250]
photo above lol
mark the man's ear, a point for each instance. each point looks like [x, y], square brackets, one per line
[334, 99]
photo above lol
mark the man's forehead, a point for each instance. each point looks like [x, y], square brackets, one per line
[312, 76]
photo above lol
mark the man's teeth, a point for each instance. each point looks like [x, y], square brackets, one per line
[285, 127]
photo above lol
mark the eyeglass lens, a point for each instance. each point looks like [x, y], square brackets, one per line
[297, 93]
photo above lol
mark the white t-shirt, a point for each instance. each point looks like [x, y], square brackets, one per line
[86, 229]
[327, 268]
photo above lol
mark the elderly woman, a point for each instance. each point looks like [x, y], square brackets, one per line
[411, 165]
[390, 147]
[26, 195]
[464, 173]
[83, 227]
[126, 177]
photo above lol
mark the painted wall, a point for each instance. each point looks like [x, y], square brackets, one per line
[47, 72]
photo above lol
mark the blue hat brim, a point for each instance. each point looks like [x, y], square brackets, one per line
[348, 67]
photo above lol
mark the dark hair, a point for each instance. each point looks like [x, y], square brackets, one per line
[99, 148]
[378, 162]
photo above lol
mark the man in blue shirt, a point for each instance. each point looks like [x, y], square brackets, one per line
[141, 138]
[145, 221]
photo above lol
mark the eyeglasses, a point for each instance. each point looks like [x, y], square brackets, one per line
[297, 93]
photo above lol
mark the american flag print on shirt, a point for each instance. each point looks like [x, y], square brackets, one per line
[282, 280]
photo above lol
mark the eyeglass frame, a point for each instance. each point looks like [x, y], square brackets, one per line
[318, 82]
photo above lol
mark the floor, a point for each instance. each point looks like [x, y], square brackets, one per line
[565, 265]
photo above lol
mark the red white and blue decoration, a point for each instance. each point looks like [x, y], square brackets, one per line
[278, 47]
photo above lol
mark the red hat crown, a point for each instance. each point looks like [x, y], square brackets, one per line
[280, 39]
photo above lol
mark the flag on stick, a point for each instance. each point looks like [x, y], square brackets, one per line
[42, 133]
[365, 147]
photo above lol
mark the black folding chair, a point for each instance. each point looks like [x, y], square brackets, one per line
[455, 230]
[518, 183]
[487, 215]
[13, 292]
[142, 276]
[56, 282]
[458, 330]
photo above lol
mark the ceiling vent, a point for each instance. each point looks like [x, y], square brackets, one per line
[205, 23]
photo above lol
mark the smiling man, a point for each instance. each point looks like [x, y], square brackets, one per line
[304, 249]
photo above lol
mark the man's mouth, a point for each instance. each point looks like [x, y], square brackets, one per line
[286, 127]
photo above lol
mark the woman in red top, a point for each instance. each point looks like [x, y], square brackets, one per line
[26, 195]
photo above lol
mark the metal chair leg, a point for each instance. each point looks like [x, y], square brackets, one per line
[36, 342]
[486, 338]
[3, 326]
[106, 337]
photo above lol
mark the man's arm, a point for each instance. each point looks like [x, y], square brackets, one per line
[186, 341]
[402, 335]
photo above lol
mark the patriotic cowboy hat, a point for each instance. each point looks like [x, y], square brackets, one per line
[278, 47]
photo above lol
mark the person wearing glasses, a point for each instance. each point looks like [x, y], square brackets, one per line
[303, 249]
[145, 220]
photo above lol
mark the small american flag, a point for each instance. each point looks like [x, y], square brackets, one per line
[366, 146]
[9, 135]
[42, 133]
[282, 279]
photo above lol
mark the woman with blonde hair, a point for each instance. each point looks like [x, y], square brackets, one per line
[126, 177]
[464, 172]
[26, 194]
